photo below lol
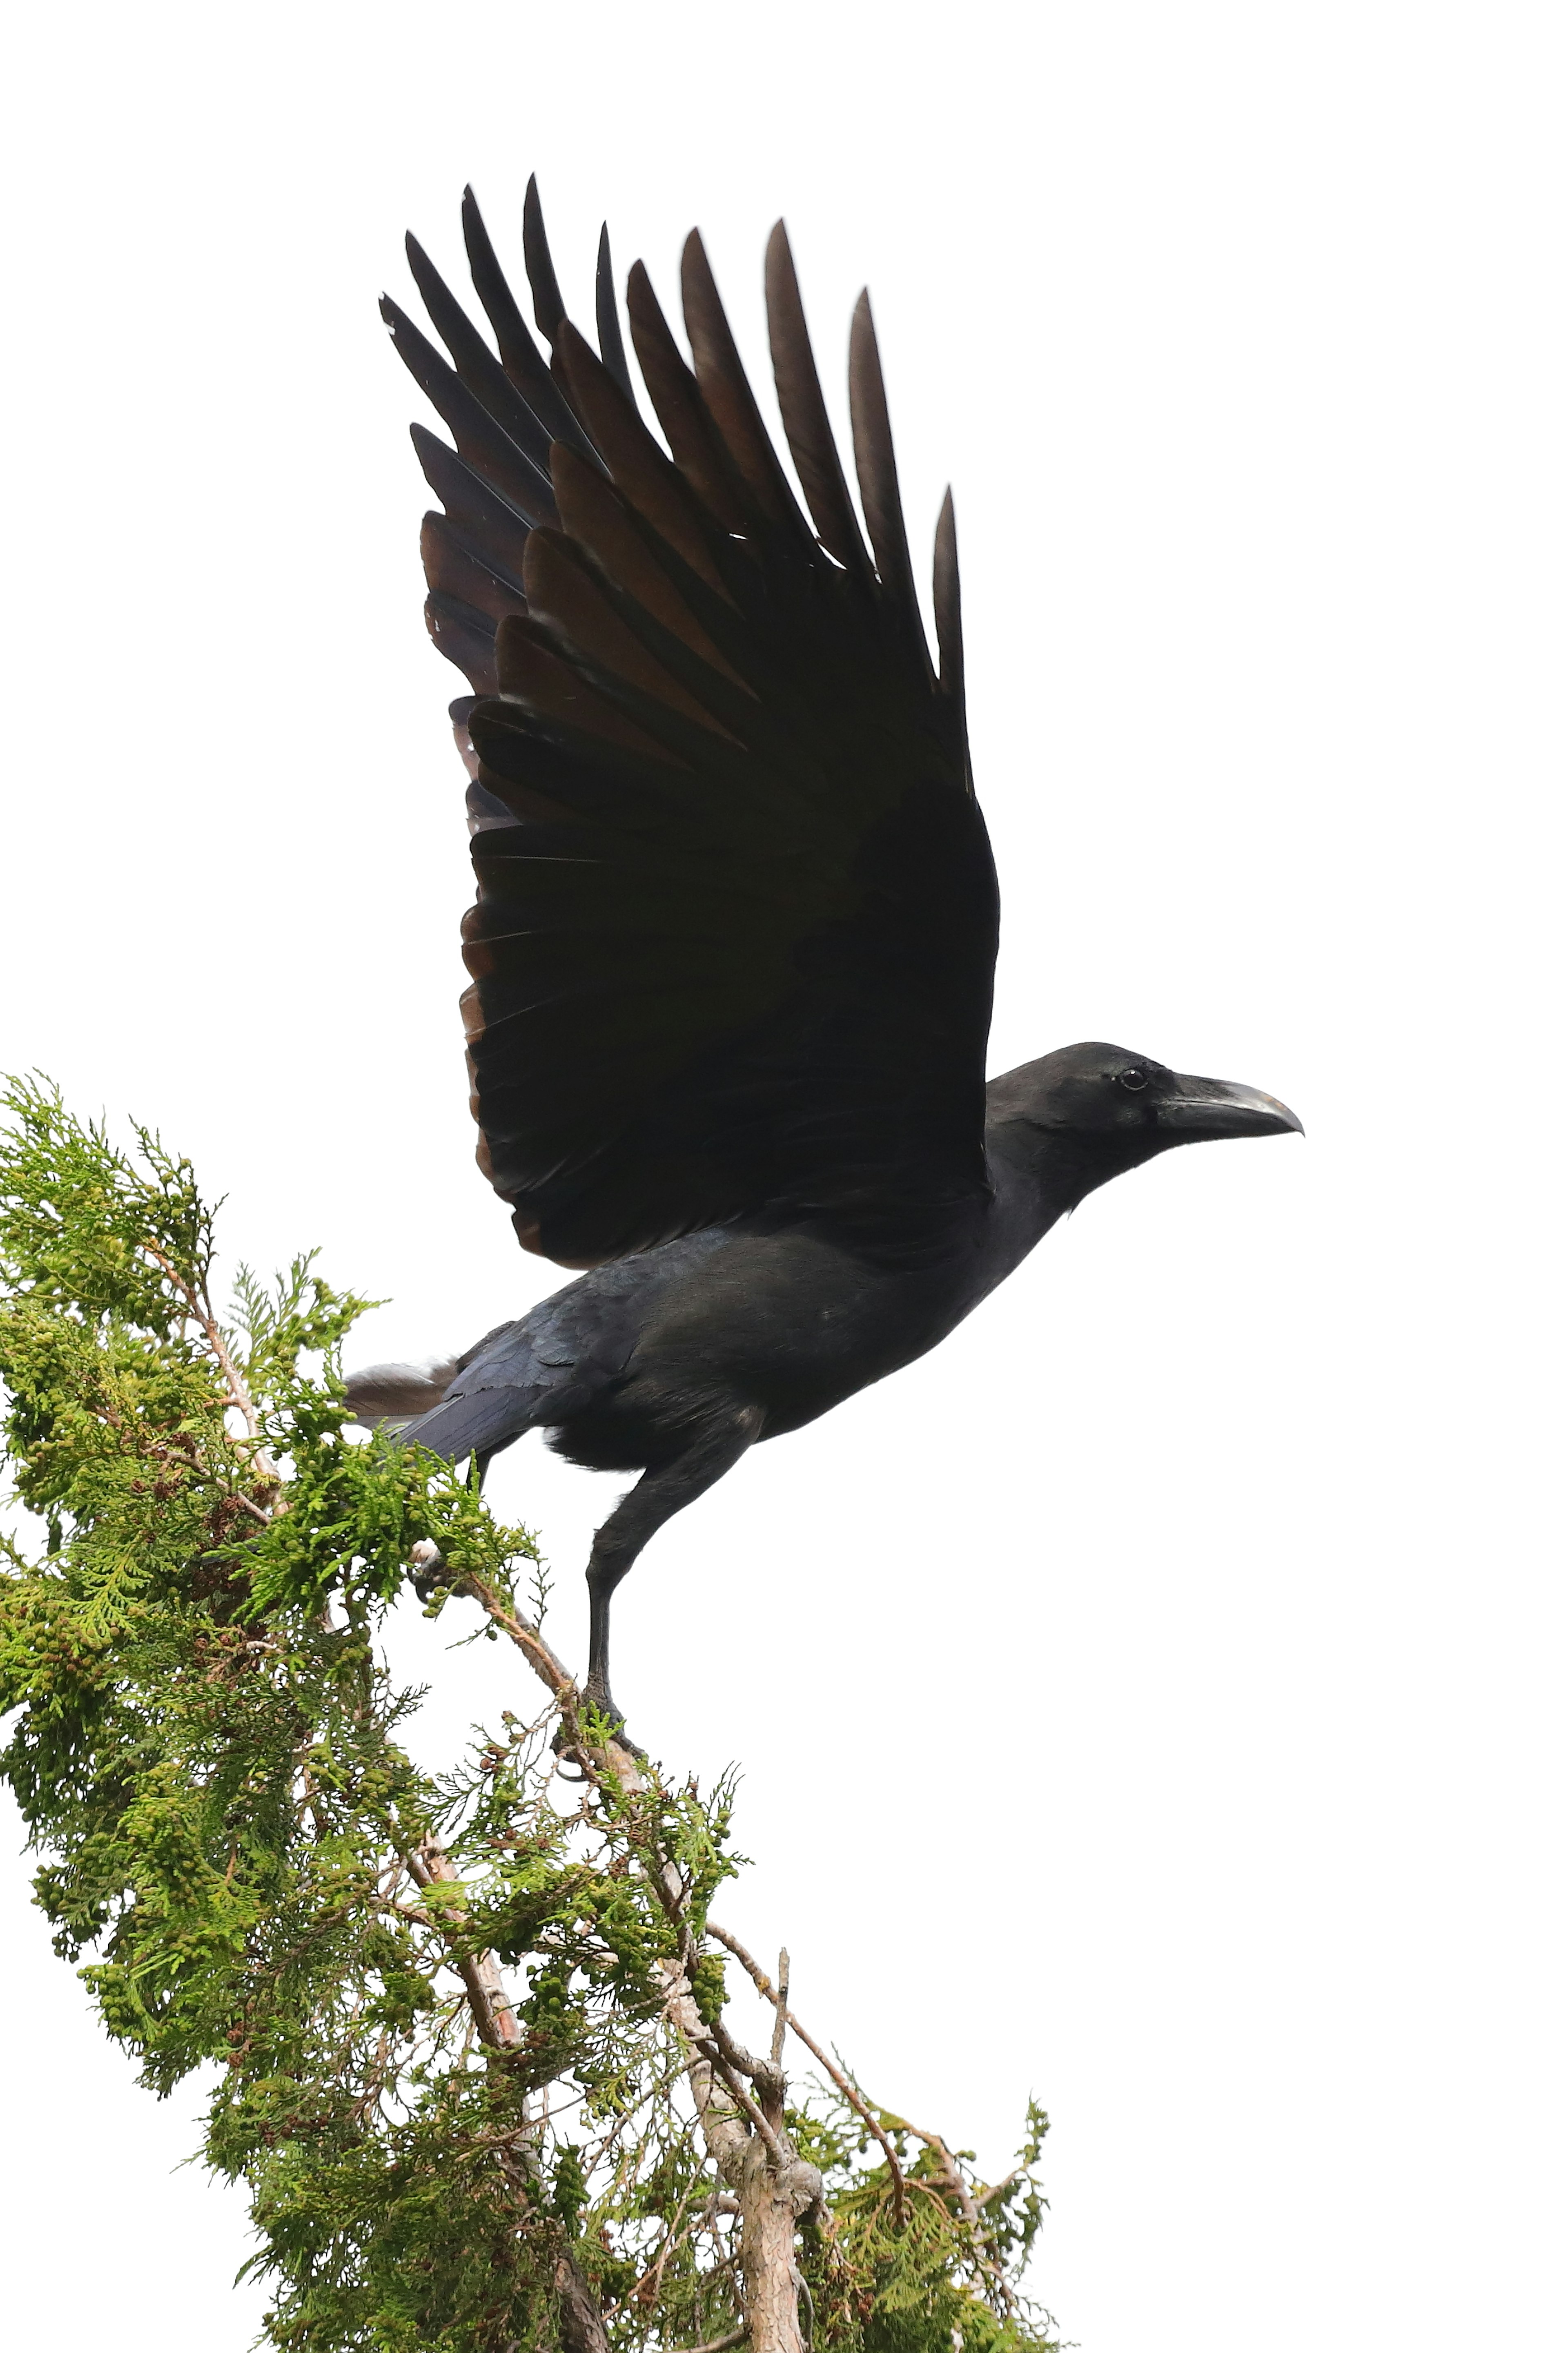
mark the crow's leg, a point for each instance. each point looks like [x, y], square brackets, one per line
[717, 1447]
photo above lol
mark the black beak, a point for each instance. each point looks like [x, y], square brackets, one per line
[1202, 1108]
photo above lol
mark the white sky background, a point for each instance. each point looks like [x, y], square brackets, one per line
[1153, 1698]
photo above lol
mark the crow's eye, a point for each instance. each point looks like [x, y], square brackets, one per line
[1134, 1079]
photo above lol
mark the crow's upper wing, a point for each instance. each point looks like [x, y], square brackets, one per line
[733, 947]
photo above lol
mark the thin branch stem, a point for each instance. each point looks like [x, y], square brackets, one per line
[528, 1639]
[781, 2009]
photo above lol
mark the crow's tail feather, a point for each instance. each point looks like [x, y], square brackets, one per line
[480, 1423]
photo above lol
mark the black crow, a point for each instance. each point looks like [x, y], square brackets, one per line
[733, 947]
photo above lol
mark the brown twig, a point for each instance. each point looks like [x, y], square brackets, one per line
[781, 2009]
[528, 1639]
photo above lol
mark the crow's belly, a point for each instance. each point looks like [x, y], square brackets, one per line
[795, 1330]
[824, 1364]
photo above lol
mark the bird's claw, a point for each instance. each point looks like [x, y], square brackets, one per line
[602, 1703]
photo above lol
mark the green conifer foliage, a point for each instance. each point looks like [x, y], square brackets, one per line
[441, 2016]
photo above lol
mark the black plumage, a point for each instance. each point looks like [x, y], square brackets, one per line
[733, 945]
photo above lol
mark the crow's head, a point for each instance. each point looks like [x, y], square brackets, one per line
[1108, 1109]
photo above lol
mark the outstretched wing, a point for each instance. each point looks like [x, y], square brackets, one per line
[736, 923]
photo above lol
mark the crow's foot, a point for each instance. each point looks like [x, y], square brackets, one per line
[598, 1696]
